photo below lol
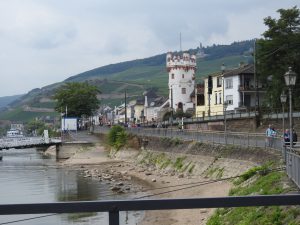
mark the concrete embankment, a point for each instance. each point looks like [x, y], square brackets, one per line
[165, 162]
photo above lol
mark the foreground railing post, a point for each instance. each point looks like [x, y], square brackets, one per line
[114, 217]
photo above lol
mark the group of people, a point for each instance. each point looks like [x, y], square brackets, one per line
[271, 134]
[287, 137]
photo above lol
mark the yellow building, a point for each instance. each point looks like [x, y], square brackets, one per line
[210, 104]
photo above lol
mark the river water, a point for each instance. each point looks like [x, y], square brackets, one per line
[27, 176]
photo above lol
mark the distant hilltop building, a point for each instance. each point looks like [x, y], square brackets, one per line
[201, 54]
[182, 69]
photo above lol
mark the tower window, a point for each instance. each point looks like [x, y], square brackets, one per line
[183, 90]
[172, 75]
[182, 75]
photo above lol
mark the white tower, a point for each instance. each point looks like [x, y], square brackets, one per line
[182, 69]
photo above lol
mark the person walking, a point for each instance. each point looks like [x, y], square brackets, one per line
[270, 133]
[295, 137]
[274, 134]
[286, 137]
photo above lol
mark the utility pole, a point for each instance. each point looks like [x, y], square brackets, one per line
[171, 107]
[255, 80]
[125, 109]
[61, 122]
[196, 102]
[210, 87]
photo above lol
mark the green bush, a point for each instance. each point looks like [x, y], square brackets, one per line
[112, 135]
[117, 137]
[121, 139]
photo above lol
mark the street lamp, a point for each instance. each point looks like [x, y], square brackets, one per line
[290, 81]
[283, 99]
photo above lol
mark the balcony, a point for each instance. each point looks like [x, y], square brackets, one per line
[247, 88]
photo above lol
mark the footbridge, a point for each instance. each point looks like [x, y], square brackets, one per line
[28, 142]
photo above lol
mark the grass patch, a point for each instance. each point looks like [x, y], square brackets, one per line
[166, 141]
[190, 170]
[78, 216]
[263, 185]
[162, 161]
[253, 182]
[215, 172]
[177, 141]
[178, 164]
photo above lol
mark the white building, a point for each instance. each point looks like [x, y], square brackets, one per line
[240, 91]
[154, 107]
[181, 69]
[231, 90]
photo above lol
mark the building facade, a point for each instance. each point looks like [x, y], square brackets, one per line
[211, 104]
[238, 88]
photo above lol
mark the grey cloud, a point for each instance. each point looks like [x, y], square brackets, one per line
[115, 45]
[61, 38]
[53, 38]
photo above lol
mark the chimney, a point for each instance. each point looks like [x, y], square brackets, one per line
[223, 68]
[146, 101]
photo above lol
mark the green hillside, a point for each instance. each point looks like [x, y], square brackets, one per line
[4, 101]
[18, 114]
[134, 76]
[213, 52]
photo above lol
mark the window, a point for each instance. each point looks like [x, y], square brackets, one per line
[216, 98]
[172, 75]
[219, 81]
[229, 99]
[200, 99]
[229, 83]
[183, 90]
[220, 98]
[182, 75]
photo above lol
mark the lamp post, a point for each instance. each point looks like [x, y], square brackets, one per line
[283, 99]
[290, 81]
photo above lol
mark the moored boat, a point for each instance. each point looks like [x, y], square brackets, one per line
[14, 133]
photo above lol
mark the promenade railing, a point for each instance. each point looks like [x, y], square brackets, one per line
[213, 137]
[256, 140]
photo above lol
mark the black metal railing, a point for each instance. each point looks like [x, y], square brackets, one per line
[114, 207]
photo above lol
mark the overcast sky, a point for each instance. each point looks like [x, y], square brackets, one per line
[47, 41]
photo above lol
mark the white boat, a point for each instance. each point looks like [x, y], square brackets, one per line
[14, 134]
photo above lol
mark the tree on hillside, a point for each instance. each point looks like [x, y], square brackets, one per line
[279, 49]
[80, 99]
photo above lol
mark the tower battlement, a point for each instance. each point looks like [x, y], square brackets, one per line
[185, 61]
